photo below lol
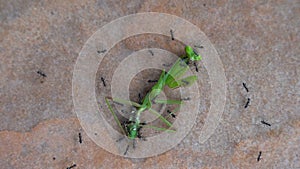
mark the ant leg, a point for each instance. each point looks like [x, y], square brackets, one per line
[120, 139]
[133, 144]
[126, 150]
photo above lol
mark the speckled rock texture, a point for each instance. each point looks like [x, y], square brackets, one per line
[258, 43]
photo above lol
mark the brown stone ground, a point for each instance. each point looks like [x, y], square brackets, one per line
[258, 43]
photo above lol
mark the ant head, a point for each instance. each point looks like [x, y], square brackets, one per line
[191, 54]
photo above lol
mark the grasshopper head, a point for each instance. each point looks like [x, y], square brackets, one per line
[191, 54]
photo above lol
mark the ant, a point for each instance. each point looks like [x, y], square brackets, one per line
[103, 81]
[172, 34]
[152, 81]
[140, 98]
[102, 51]
[72, 166]
[265, 123]
[244, 84]
[198, 46]
[186, 99]
[151, 52]
[247, 103]
[80, 138]
[259, 156]
[195, 64]
[41, 73]
[171, 113]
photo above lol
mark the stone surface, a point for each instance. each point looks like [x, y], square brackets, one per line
[258, 43]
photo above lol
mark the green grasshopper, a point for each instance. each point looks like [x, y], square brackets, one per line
[171, 79]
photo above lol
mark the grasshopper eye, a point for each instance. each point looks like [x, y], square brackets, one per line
[192, 54]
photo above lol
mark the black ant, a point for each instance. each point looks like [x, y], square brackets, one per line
[172, 34]
[186, 99]
[103, 81]
[247, 103]
[152, 81]
[140, 98]
[196, 67]
[151, 52]
[265, 123]
[41, 73]
[259, 156]
[72, 166]
[198, 46]
[244, 84]
[171, 113]
[102, 51]
[80, 138]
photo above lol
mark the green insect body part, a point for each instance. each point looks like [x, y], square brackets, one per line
[155, 91]
[183, 82]
[191, 54]
[172, 79]
[168, 101]
[176, 71]
[132, 130]
[179, 69]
